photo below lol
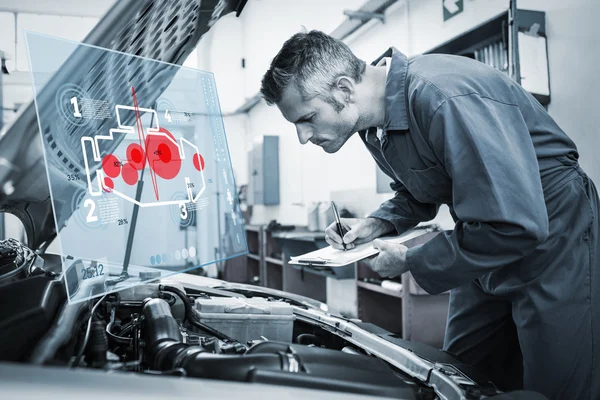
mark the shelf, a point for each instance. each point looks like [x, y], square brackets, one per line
[274, 260]
[488, 30]
[253, 256]
[378, 289]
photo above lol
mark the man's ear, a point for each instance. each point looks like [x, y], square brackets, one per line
[345, 87]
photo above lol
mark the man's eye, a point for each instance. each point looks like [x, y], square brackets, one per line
[311, 118]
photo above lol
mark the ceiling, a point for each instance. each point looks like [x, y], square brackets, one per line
[76, 8]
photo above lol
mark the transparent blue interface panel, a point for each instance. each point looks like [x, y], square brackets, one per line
[138, 166]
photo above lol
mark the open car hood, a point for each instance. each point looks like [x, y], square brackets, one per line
[164, 30]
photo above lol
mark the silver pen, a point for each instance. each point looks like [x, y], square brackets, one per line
[338, 223]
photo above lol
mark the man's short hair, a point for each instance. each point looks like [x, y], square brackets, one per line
[313, 62]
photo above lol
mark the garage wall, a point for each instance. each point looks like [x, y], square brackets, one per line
[573, 43]
[413, 26]
[307, 174]
[573, 56]
[256, 37]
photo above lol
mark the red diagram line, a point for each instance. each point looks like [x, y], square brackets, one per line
[142, 138]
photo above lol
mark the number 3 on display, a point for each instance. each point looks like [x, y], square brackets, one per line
[76, 114]
[184, 213]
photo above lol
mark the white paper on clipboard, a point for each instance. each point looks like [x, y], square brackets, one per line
[330, 257]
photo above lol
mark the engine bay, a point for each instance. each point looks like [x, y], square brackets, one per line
[164, 329]
[196, 333]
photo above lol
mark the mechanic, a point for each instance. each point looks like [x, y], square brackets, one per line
[521, 262]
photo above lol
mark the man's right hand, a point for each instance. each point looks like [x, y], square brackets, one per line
[357, 231]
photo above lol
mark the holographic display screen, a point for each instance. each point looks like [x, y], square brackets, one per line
[137, 163]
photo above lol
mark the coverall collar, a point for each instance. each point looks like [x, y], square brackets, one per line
[396, 111]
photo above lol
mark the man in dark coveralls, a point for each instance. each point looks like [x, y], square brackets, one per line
[521, 262]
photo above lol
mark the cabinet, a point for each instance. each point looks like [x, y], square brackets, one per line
[307, 282]
[491, 44]
[263, 160]
[410, 312]
[246, 268]
[262, 265]
[272, 271]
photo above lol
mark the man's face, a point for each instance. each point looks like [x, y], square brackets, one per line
[317, 120]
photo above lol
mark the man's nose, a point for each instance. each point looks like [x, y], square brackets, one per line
[304, 134]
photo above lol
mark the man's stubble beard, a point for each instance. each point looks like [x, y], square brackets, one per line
[359, 124]
[340, 141]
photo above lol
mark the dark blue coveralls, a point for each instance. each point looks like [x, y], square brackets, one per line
[522, 258]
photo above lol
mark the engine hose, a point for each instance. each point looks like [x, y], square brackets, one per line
[165, 351]
[181, 294]
[117, 338]
[189, 313]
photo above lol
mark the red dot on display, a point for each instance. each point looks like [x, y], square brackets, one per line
[130, 174]
[163, 154]
[198, 162]
[111, 165]
[109, 184]
[136, 156]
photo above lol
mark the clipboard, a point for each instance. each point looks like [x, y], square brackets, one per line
[328, 257]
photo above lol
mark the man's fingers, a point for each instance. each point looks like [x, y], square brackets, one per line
[345, 224]
[350, 236]
[333, 234]
[375, 263]
[391, 259]
[379, 244]
[333, 243]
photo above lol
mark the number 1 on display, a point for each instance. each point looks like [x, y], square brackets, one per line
[77, 114]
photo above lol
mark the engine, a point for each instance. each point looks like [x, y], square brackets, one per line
[165, 329]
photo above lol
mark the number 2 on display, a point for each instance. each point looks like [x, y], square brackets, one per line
[92, 272]
[90, 217]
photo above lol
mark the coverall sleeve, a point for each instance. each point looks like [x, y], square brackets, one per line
[403, 210]
[497, 194]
